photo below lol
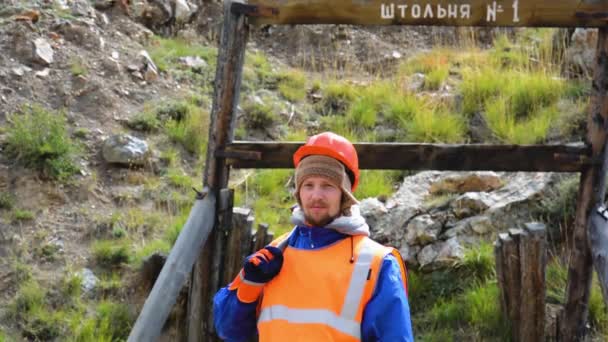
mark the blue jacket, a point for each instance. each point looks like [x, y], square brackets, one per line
[386, 317]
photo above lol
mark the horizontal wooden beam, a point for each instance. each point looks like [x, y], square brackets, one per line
[528, 13]
[405, 156]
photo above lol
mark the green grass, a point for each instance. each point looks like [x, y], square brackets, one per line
[292, 85]
[337, 97]
[426, 62]
[165, 52]
[434, 125]
[22, 215]
[188, 127]
[258, 73]
[435, 79]
[259, 115]
[146, 121]
[39, 138]
[376, 183]
[7, 200]
[111, 253]
[78, 67]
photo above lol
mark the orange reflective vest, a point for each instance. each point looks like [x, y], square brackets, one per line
[320, 295]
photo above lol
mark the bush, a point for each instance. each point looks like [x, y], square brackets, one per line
[337, 97]
[39, 138]
[188, 126]
[7, 200]
[292, 85]
[428, 125]
[258, 115]
[110, 253]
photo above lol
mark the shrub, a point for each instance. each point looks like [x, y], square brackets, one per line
[146, 121]
[39, 138]
[189, 130]
[292, 85]
[22, 215]
[110, 253]
[376, 183]
[258, 115]
[428, 125]
[7, 200]
[337, 97]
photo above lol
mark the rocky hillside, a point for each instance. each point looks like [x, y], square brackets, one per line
[103, 125]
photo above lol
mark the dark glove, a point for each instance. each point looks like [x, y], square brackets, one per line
[263, 265]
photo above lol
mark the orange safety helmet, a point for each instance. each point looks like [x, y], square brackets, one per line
[334, 146]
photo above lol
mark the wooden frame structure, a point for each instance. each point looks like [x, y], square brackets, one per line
[223, 153]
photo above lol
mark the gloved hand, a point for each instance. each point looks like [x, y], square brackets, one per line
[263, 265]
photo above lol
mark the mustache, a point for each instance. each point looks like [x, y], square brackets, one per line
[318, 204]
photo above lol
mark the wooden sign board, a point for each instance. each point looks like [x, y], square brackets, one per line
[523, 13]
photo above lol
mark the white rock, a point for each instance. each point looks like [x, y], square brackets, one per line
[43, 52]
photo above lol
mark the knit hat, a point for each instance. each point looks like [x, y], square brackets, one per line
[332, 170]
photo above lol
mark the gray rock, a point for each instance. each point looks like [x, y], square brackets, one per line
[125, 149]
[371, 209]
[82, 8]
[422, 230]
[471, 203]
[111, 66]
[470, 182]
[149, 69]
[193, 62]
[184, 10]
[43, 52]
[89, 280]
[481, 224]
[416, 82]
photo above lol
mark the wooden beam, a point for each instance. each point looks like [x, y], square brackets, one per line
[529, 13]
[591, 192]
[398, 156]
[228, 76]
[176, 270]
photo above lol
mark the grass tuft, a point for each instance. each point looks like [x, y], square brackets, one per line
[39, 138]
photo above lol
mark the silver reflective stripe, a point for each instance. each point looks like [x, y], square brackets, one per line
[358, 281]
[311, 316]
[248, 282]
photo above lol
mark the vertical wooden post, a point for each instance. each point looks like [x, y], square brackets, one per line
[533, 256]
[215, 176]
[590, 193]
[520, 267]
[233, 260]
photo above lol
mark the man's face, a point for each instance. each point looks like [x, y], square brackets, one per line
[320, 200]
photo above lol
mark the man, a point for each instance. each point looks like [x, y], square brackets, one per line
[326, 280]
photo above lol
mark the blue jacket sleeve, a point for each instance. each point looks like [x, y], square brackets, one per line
[387, 315]
[234, 320]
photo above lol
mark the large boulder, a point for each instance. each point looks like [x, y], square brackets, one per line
[433, 236]
[125, 150]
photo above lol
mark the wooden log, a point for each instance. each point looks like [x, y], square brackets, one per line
[268, 238]
[234, 261]
[175, 272]
[471, 157]
[532, 254]
[512, 265]
[591, 192]
[500, 270]
[216, 173]
[260, 236]
[536, 13]
[246, 237]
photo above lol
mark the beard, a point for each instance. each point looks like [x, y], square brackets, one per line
[316, 220]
